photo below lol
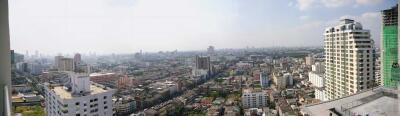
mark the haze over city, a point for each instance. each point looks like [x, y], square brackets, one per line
[128, 26]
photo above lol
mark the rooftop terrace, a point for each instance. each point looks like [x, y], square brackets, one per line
[375, 102]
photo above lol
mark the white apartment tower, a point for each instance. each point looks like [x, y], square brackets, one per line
[316, 76]
[254, 98]
[83, 99]
[349, 59]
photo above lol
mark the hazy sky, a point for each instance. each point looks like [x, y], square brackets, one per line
[126, 26]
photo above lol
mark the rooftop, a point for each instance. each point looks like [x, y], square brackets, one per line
[252, 90]
[378, 101]
[64, 94]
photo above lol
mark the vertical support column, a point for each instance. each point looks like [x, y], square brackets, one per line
[5, 62]
[398, 30]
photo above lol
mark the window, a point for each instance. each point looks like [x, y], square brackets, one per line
[105, 97]
[77, 103]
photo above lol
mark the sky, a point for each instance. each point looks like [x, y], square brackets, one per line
[128, 26]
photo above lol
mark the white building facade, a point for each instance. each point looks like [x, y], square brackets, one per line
[349, 52]
[316, 79]
[84, 99]
[254, 98]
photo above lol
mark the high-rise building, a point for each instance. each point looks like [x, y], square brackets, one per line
[282, 80]
[12, 53]
[316, 76]
[254, 98]
[66, 64]
[57, 60]
[264, 80]
[203, 62]
[378, 75]
[310, 60]
[77, 59]
[349, 59]
[211, 50]
[83, 99]
[15, 57]
[78, 65]
[289, 79]
[390, 47]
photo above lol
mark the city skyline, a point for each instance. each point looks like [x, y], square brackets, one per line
[124, 26]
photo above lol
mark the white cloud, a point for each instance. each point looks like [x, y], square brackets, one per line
[304, 17]
[308, 4]
[367, 2]
[305, 4]
[290, 4]
[335, 3]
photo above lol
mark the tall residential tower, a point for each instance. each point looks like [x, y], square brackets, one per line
[349, 59]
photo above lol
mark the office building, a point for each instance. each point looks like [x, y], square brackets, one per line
[203, 62]
[289, 79]
[66, 64]
[202, 66]
[349, 59]
[82, 99]
[254, 98]
[211, 50]
[390, 48]
[57, 61]
[77, 60]
[264, 80]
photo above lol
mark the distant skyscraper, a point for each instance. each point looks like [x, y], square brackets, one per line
[211, 50]
[77, 60]
[390, 48]
[203, 62]
[349, 59]
[264, 80]
[66, 64]
[57, 60]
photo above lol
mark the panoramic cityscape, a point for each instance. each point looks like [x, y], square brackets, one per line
[200, 58]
